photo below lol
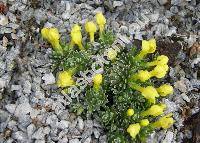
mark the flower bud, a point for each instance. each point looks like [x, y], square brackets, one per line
[101, 21]
[91, 28]
[164, 122]
[133, 129]
[149, 93]
[144, 122]
[165, 90]
[97, 80]
[130, 112]
[76, 37]
[143, 75]
[154, 110]
[111, 54]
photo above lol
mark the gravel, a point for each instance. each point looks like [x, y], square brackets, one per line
[31, 106]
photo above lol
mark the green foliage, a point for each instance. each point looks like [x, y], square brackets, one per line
[110, 103]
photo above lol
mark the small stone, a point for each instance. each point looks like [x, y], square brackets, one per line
[185, 97]
[117, 3]
[74, 141]
[39, 134]
[181, 86]
[89, 124]
[63, 140]
[88, 140]
[96, 133]
[63, 124]
[46, 130]
[15, 87]
[3, 116]
[102, 139]
[39, 141]
[2, 83]
[27, 87]
[3, 20]
[66, 15]
[80, 124]
[169, 137]
[20, 136]
[162, 2]
[23, 109]
[10, 108]
[30, 130]
[49, 79]
[134, 27]
[154, 17]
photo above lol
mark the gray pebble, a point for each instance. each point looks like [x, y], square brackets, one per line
[39, 134]
[63, 124]
[74, 141]
[10, 108]
[23, 109]
[117, 3]
[30, 130]
[80, 124]
[3, 116]
[20, 136]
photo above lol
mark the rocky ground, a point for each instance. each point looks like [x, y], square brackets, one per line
[31, 107]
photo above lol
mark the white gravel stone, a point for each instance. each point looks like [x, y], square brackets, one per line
[2, 83]
[169, 137]
[10, 108]
[20, 136]
[154, 17]
[117, 3]
[39, 141]
[74, 141]
[80, 123]
[15, 87]
[3, 20]
[162, 2]
[30, 130]
[96, 133]
[39, 134]
[23, 109]
[49, 79]
[63, 124]
[88, 140]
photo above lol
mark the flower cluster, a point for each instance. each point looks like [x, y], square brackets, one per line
[121, 93]
[149, 92]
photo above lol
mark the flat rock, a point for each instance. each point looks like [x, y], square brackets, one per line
[49, 78]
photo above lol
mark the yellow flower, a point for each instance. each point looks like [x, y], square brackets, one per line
[152, 46]
[144, 122]
[133, 129]
[97, 80]
[101, 21]
[161, 60]
[130, 112]
[154, 110]
[65, 79]
[45, 32]
[164, 122]
[76, 37]
[143, 75]
[111, 54]
[52, 36]
[91, 28]
[159, 71]
[147, 47]
[165, 90]
[149, 93]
